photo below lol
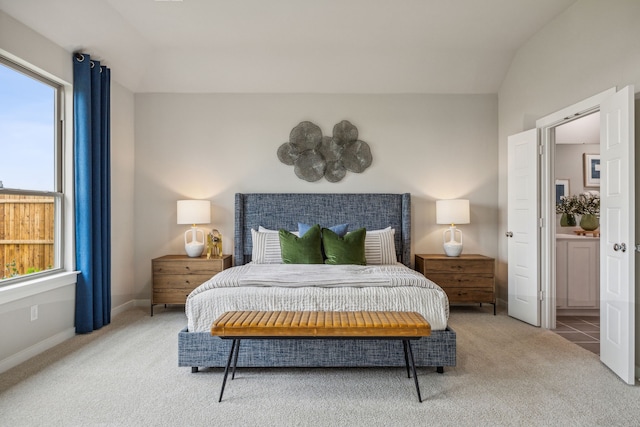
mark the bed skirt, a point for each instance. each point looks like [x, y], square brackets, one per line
[200, 349]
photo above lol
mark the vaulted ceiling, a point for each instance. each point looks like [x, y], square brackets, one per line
[295, 46]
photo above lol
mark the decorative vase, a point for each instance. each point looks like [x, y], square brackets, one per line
[568, 220]
[589, 222]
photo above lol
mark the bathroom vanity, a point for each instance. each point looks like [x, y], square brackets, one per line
[577, 273]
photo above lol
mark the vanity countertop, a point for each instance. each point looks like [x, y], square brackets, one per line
[576, 237]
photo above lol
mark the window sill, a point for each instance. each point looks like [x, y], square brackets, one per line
[36, 286]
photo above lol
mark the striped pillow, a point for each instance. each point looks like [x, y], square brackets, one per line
[266, 246]
[379, 247]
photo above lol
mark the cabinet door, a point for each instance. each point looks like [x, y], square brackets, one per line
[582, 268]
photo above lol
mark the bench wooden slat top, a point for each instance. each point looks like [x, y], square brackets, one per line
[319, 324]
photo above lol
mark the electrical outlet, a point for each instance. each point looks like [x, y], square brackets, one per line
[34, 312]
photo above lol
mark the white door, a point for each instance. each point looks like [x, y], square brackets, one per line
[522, 226]
[617, 242]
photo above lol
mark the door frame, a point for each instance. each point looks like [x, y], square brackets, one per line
[547, 127]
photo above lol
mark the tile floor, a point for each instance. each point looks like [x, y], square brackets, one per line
[581, 330]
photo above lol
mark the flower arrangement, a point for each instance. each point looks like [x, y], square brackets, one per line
[582, 204]
[588, 203]
[567, 205]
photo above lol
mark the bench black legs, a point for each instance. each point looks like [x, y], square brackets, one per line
[407, 345]
[235, 349]
[235, 346]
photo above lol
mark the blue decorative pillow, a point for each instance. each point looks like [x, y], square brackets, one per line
[340, 229]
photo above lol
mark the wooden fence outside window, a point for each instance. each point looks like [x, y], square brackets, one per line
[27, 225]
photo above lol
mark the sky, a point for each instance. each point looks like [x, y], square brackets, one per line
[27, 132]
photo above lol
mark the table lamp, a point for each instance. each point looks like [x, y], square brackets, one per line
[452, 212]
[194, 212]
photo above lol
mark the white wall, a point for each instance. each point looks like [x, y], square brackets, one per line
[122, 195]
[591, 47]
[212, 146]
[20, 337]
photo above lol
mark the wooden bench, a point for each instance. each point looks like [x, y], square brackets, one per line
[400, 325]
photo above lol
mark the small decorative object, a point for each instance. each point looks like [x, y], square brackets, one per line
[452, 212]
[194, 212]
[314, 156]
[567, 206]
[589, 222]
[568, 220]
[591, 170]
[214, 244]
[209, 246]
[589, 208]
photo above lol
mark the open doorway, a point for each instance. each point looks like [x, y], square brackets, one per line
[531, 233]
[577, 244]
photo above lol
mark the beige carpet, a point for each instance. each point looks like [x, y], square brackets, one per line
[508, 373]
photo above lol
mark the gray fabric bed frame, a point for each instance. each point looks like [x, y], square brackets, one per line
[284, 210]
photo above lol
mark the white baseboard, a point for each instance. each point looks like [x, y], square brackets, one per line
[142, 302]
[34, 350]
[129, 305]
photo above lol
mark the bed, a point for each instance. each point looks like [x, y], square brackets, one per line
[273, 211]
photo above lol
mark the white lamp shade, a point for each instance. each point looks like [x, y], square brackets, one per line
[194, 211]
[452, 211]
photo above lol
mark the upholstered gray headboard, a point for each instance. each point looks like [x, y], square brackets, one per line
[284, 210]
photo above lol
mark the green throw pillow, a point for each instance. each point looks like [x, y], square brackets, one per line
[301, 250]
[344, 250]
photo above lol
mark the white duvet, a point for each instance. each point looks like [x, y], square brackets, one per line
[316, 287]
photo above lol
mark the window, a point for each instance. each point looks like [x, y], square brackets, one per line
[30, 174]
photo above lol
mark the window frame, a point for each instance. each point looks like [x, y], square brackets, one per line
[58, 194]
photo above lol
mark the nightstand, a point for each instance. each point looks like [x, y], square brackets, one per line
[175, 276]
[465, 279]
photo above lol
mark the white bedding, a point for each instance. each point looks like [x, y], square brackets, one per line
[316, 287]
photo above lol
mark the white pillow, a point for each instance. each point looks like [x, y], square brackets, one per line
[380, 247]
[266, 246]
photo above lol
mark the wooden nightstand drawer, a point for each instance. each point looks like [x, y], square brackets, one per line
[465, 295]
[458, 265]
[178, 281]
[465, 279]
[210, 266]
[459, 280]
[175, 276]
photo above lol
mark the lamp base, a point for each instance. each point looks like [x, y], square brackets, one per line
[452, 248]
[195, 247]
[194, 250]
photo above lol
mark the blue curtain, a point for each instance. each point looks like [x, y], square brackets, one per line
[91, 133]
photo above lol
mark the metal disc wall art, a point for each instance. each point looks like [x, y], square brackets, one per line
[314, 156]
